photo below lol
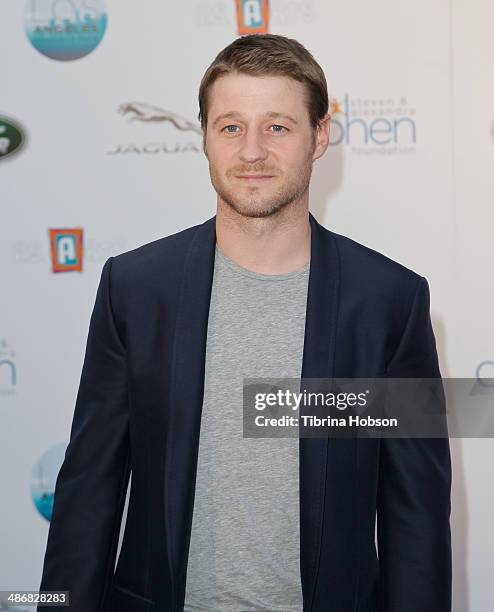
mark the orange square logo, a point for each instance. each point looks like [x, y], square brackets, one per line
[66, 249]
[252, 16]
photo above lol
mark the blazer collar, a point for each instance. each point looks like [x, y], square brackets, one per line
[187, 388]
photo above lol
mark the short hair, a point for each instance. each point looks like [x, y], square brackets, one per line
[269, 55]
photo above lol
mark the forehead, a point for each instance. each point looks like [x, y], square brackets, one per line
[244, 93]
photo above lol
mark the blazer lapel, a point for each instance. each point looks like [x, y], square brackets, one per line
[318, 362]
[186, 397]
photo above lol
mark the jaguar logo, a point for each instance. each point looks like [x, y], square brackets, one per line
[139, 111]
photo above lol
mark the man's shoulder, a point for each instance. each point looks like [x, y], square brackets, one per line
[158, 263]
[374, 276]
[363, 260]
[163, 258]
[176, 242]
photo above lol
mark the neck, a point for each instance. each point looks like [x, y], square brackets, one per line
[270, 245]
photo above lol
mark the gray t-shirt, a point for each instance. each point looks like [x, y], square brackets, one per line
[245, 541]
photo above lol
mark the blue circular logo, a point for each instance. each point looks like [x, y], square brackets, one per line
[44, 477]
[483, 379]
[65, 29]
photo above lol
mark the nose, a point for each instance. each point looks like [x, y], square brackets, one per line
[252, 147]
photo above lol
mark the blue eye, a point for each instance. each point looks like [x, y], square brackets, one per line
[234, 131]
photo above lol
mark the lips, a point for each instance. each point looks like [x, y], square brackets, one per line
[254, 176]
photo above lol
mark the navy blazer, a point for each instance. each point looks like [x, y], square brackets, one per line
[138, 409]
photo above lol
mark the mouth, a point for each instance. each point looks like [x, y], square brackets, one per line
[254, 177]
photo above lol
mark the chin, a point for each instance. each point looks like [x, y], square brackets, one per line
[254, 210]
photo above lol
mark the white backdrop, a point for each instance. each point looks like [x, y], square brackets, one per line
[419, 190]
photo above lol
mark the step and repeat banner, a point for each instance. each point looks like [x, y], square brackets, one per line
[101, 152]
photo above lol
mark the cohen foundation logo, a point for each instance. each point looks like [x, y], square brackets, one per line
[152, 130]
[373, 126]
[65, 30]
[8, 370]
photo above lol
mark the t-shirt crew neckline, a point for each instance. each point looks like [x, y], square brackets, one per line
[233, 265]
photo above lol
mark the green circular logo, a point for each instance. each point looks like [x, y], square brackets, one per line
[12, 137]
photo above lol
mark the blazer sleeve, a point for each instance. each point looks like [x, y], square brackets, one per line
[414, 489]
[92, 482]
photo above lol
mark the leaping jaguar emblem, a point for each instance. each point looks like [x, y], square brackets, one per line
[139, 111]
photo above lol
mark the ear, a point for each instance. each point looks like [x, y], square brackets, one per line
[204, 143]
[322, 137]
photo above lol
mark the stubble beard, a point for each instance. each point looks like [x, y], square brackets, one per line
[256, 205]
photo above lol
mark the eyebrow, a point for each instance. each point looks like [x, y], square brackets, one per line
[269, 115]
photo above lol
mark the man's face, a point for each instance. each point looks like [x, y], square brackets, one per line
[259, 142]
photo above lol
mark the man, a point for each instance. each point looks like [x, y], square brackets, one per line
[217, 521]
